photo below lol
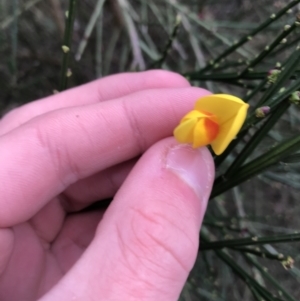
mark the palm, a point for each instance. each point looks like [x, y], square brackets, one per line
[44, 249]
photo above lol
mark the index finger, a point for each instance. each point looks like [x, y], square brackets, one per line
[107, 88]
[44, 156]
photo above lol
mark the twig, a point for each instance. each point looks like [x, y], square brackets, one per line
[194, 42]
[249, 36]
[92, 22]
[110, 48]
[5, 23]
[133, 34]
[185, 11]
[249, 241]
[267, 275]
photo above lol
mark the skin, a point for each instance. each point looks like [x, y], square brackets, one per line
[107, 139]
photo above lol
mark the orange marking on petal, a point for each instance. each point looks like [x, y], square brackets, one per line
[212, 129]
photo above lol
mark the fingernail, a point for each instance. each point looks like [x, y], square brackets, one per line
[194, 166]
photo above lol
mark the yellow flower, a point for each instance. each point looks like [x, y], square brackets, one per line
[216, 120]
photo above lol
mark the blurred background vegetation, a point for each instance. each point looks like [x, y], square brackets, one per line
[241, 47]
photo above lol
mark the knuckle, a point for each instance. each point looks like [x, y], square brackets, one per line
[156, 236]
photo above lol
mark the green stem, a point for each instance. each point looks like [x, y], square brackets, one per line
[254, 286]
[262, 254]
[249, 241]
[268, 49]
[289, 70]
[168, 46]
[67, 45]
[245, 38]
[272, 280]
[233, 76]
[258, 165]
[272, 102]
[257, 138]
[14, 35]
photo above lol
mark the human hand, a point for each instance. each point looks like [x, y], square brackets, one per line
[60, 154]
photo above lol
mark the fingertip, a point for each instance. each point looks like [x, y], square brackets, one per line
[195, 167]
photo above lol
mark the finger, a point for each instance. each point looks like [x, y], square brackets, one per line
[64, 146]
[147, 241]
[100, 186]
[100, 90]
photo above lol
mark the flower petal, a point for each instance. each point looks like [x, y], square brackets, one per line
[198, 128]
[212, 128]
[231, 113]
[229, 130]
[224, 106]
[184, 132]
[205, 132]
[195, 114]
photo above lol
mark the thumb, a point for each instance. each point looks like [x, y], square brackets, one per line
[147, 242]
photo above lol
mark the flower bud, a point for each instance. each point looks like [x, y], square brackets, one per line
[215, 120]
[262, 112]
[288, 263]
[65, 48]
[295, 97]
[273, 75]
